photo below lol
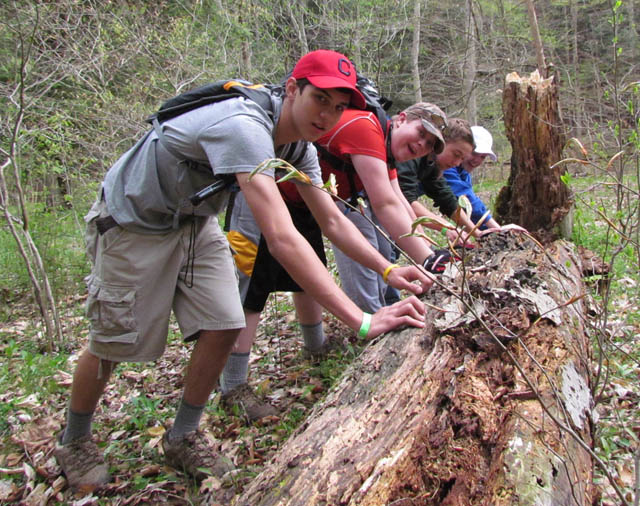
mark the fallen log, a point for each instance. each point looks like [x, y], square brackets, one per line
[453, 414]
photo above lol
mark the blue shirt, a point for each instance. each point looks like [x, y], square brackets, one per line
[460, 182]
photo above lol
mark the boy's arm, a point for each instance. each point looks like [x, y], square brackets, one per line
[396, 188]
[387, 207]
[438, 223]
[298, 258]
[346, 236]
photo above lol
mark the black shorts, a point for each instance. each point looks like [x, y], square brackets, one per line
[268, 275]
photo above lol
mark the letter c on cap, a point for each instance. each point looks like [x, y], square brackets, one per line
[344, 66]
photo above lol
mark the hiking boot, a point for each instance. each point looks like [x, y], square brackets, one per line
[327, 348]
[82, 463]
[194, 455]
[248, 402]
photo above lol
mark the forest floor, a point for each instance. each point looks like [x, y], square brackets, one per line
[139, 405]
[140, 402]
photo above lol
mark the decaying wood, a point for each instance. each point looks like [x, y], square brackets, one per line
[442, 415]
[534, 197]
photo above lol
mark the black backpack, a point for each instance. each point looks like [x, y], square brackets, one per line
[209, 94]
[376, 102]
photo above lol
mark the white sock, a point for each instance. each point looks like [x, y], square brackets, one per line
[313, 336]
[236, 371]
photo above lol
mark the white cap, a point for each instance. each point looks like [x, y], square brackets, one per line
[483, 141]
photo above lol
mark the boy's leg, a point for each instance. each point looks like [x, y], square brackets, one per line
[207, 308]
[234, 381]
[89, 381]
[77, 453]
[206, 363]
[309, 314]
[184, 446]
[363, 286]
[236, 370]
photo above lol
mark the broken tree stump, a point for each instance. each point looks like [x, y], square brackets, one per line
[442, 415]
[535, 197]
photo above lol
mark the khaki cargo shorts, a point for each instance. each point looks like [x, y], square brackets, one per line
[137, 279]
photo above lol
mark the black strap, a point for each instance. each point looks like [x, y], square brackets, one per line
[104, 224]
[347, 167]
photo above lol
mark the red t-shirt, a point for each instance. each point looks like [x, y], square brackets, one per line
[357, 133]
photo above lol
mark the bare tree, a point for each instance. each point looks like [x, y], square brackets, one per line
[297, 19]
[415, 51]
[469, 66]
[537, 40]
[23, 29]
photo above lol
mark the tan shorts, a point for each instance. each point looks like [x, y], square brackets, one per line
[137, 279]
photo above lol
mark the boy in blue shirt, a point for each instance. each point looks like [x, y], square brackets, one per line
[459, 177]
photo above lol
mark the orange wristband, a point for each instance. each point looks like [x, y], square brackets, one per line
[386, 272]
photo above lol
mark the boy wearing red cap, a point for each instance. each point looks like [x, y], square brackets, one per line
[153, 251]
[416, 131]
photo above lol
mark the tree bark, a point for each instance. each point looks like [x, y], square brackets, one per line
[535, 196]
[450, 415]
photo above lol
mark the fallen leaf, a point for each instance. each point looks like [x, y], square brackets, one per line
[30, 401]
[8, 490]
[117, 434]
[210, 484]
[156, 431]
[38, 496]
[151, 470]
[153, 442]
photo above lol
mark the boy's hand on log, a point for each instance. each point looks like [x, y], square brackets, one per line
[402, 278]
[409, 311]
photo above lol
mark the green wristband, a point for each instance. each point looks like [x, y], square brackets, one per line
[366, 325]
[443, 231]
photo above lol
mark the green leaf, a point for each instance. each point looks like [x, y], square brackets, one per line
[464, 203]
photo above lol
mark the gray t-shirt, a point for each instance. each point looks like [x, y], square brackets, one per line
[147, 189]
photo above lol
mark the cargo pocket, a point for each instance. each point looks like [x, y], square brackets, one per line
[111, 310]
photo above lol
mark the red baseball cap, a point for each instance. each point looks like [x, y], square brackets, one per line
[329, 69]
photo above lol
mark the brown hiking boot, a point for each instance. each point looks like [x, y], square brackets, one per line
[248, 402]
[194, 455]
[328, 347]
[83, 464]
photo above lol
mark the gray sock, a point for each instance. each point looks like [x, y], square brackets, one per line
[187, 420]
[78, 425]
[236, 371]
[313, 336]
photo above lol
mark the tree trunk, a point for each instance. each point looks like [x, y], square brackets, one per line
[297, 19]
[537, 40]
[415, 52]
[449, 414]
[535, 196]
[577, 112]
[469, 66]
